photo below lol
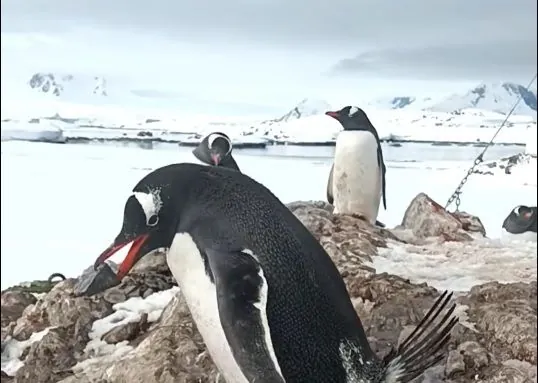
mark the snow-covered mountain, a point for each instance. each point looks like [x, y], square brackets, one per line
[499, 97]
[65, 85]
[305, 108]
[496, 97]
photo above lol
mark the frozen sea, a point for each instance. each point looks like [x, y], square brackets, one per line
[61, 205]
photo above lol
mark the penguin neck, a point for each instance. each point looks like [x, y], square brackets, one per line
[229, 162]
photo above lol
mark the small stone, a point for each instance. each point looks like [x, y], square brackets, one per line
[93, 281]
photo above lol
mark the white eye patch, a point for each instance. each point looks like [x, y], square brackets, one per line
[353, 110]
[213, 136]
[151, 204]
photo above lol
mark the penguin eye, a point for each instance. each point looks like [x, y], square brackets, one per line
[153, 220]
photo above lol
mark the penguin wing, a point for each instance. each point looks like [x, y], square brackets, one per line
[381, 164]
[330, 197]
[242, 299]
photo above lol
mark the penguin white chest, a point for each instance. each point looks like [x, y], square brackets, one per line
[188, 269]
[357, 176]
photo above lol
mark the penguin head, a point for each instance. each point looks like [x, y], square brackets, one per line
[149, 221]
[214, 148]
[351, 118]
[520, 219]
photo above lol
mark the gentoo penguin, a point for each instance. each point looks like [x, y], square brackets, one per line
[268, 301]
[216, 149]
[357, 177]
[521, 224]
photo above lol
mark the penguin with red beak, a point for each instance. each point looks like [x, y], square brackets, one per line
[216, 150]
[268, 301]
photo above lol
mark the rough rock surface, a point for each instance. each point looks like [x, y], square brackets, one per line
[425, 218]
[495, 340]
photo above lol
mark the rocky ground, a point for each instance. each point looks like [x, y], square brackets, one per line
[60, 336]
[507, 165]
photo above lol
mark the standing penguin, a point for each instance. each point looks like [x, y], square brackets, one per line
[268, 301]
[521, 224]
[357, 177]
[216, 150]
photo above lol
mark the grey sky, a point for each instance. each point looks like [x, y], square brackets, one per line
[298, 41]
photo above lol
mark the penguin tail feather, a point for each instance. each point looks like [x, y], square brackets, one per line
[422, 349]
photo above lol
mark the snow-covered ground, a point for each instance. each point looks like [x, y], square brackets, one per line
[62, 204]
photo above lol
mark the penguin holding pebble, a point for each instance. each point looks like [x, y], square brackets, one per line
[267, 299]
[216, 150]
[357, 178]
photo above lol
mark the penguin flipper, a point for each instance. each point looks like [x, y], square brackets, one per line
[330, 197]
[242, 299]
[383, 169]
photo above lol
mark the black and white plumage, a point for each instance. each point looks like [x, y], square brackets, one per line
[270, 304]
[521, 224]
[356, 181]
[216, 149]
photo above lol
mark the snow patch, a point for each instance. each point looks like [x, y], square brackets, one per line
[457, 266]
[13, 350]
[129, 311]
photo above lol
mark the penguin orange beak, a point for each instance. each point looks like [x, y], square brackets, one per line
[333, 114]
[131, 258]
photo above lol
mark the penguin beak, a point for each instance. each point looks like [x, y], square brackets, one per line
[132, 256]
[333, 114]
[215, 157]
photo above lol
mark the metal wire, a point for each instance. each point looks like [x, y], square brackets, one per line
[455, 197]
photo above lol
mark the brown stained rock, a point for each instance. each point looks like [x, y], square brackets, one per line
[50, 359]
[470, 223]
[505, 316]
[173, 351]
[426, 218]
[350, 241]
[150, 273]
[60, 307]
[13, 304]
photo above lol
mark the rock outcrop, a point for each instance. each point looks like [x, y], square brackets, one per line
[141, 330]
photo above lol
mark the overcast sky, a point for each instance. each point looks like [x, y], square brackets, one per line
[276, 50]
